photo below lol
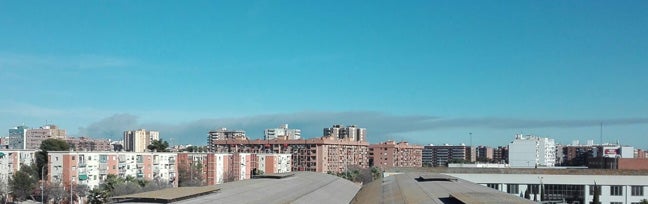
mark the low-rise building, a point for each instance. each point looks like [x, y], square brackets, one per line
[92, 168]
[11, 160]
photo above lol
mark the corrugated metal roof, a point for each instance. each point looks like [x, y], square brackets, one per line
[167, 195]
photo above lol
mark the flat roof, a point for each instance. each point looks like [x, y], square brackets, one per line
[430, 188]
[555, 171]
[167, 195]
[301, 187]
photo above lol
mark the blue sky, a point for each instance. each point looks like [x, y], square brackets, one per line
[422, 71]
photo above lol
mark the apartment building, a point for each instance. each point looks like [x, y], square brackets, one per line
[223, 134]
[216, 168]
[500, 154]
[92, 168]
[89, 144]
[17, 138]
[390, 154]
[528, 151]
[484, 154]
[351, 133]
[283, 132]
[319, 154]
[442, 155]
[11, 161]
[34, 137]
[138, 140]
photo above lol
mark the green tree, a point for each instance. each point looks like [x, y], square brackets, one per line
[159, 146]
[23, 182]
[98, 196]
[644, 201]
[46, 146]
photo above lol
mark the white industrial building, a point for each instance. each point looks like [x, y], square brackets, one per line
[528, 151]
[566, 188]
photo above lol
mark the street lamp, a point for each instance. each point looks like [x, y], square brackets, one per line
[42, 183]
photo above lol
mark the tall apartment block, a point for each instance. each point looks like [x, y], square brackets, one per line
[319, 154]
[218, 168]
[92, 168]
[17, 138]
[531, 151]
[11, 161]
[441, 155]
[390, 154]
[34, 137]
[224, 134]
[138, 140]
[351, 133]
[282, 133]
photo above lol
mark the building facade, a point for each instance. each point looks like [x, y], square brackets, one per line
[17, 138]
[566, 187]
[11, 161]
[92, 168]
[442, 155]
[89, 144]
[484, 154]
[34, 137]
[390, 154]
[217, 168]
[351, 133]
[282, 133]
[223, 134]
[325, 154]
[138, 140]
[528, 151]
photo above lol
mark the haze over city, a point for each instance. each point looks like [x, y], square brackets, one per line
[425, 72]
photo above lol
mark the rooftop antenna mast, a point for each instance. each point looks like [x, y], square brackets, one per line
[601, 133]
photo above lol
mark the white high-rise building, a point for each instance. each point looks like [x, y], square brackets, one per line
[532, 151]
[138, 140]
[282, 131]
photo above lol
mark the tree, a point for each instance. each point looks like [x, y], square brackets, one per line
[644, 201]
[81, 191]
[56, 192]
[23, 182]
[98, 196]
[4, 190]
[46, 146]
[159, 146]
[191, 174]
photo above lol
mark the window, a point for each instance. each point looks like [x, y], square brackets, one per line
[637, 191]
[591, 190]
[73, 157]
[493, 186]
[512, 188]
[616, 190]
[616, 202]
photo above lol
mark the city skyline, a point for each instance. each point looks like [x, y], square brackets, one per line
[425, 72]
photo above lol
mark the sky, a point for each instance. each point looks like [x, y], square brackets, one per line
[427, 72]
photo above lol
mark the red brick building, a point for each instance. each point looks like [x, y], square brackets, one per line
[391, 154]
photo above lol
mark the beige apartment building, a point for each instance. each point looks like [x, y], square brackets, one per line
[390, 154]
[34, 137]
[138, 140]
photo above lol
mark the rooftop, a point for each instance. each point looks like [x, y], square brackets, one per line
[430, 188]
[557, 171]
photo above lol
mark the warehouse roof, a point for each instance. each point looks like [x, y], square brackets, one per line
[430, 188]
